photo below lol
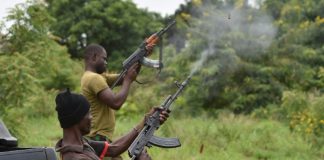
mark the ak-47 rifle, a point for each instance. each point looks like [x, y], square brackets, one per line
[146, 137]
[141, 53]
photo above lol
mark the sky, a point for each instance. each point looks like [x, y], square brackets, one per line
[5, 4]
[164, 7]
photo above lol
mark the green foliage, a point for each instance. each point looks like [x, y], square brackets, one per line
[117, 25]
[226, 58]
[241, 60]
[303, 112]
[41, 131]
[30, 24]
[226, 137]
[237, 63]
[299, 45]
[34, 67]
[16, 84]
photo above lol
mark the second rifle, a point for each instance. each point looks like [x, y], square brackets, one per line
[146, 137]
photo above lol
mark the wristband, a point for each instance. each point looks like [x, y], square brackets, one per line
[103, 153]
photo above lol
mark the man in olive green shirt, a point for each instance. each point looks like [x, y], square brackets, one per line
[95, 88]
[103, 122]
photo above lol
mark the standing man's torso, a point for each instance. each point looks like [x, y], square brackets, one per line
[103, 117]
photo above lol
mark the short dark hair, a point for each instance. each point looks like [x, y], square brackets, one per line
[92, 49]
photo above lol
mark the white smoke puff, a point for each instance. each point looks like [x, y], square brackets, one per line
[248, 31]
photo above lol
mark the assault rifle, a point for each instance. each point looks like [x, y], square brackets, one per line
[141, 53]
[146, 137]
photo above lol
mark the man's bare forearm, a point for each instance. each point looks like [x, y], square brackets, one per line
[121, 96]
[121, 145]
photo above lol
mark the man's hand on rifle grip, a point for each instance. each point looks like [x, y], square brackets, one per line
[164, 114]
[132, 72]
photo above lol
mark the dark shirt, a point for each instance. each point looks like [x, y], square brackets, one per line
[90, 150]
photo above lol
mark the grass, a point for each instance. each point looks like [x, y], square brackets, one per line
[229, 137]
[44, 131]
[226, 137]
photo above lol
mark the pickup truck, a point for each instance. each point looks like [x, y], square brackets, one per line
[9, 149]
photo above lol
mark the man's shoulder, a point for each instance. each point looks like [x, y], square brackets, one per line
[90, 76]
[76, 152]
[92, 83]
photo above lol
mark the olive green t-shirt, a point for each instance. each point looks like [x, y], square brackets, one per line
[103, 117]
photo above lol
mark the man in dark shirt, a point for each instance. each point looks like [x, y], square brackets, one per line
[75, 119]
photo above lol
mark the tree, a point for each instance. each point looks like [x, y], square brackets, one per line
[117, 25]
[248, 58]
[227, 45]
[33, 67]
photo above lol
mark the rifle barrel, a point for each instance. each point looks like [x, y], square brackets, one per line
[162, 31]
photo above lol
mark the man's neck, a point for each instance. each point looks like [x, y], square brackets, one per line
[72, 136]
[91, 69]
